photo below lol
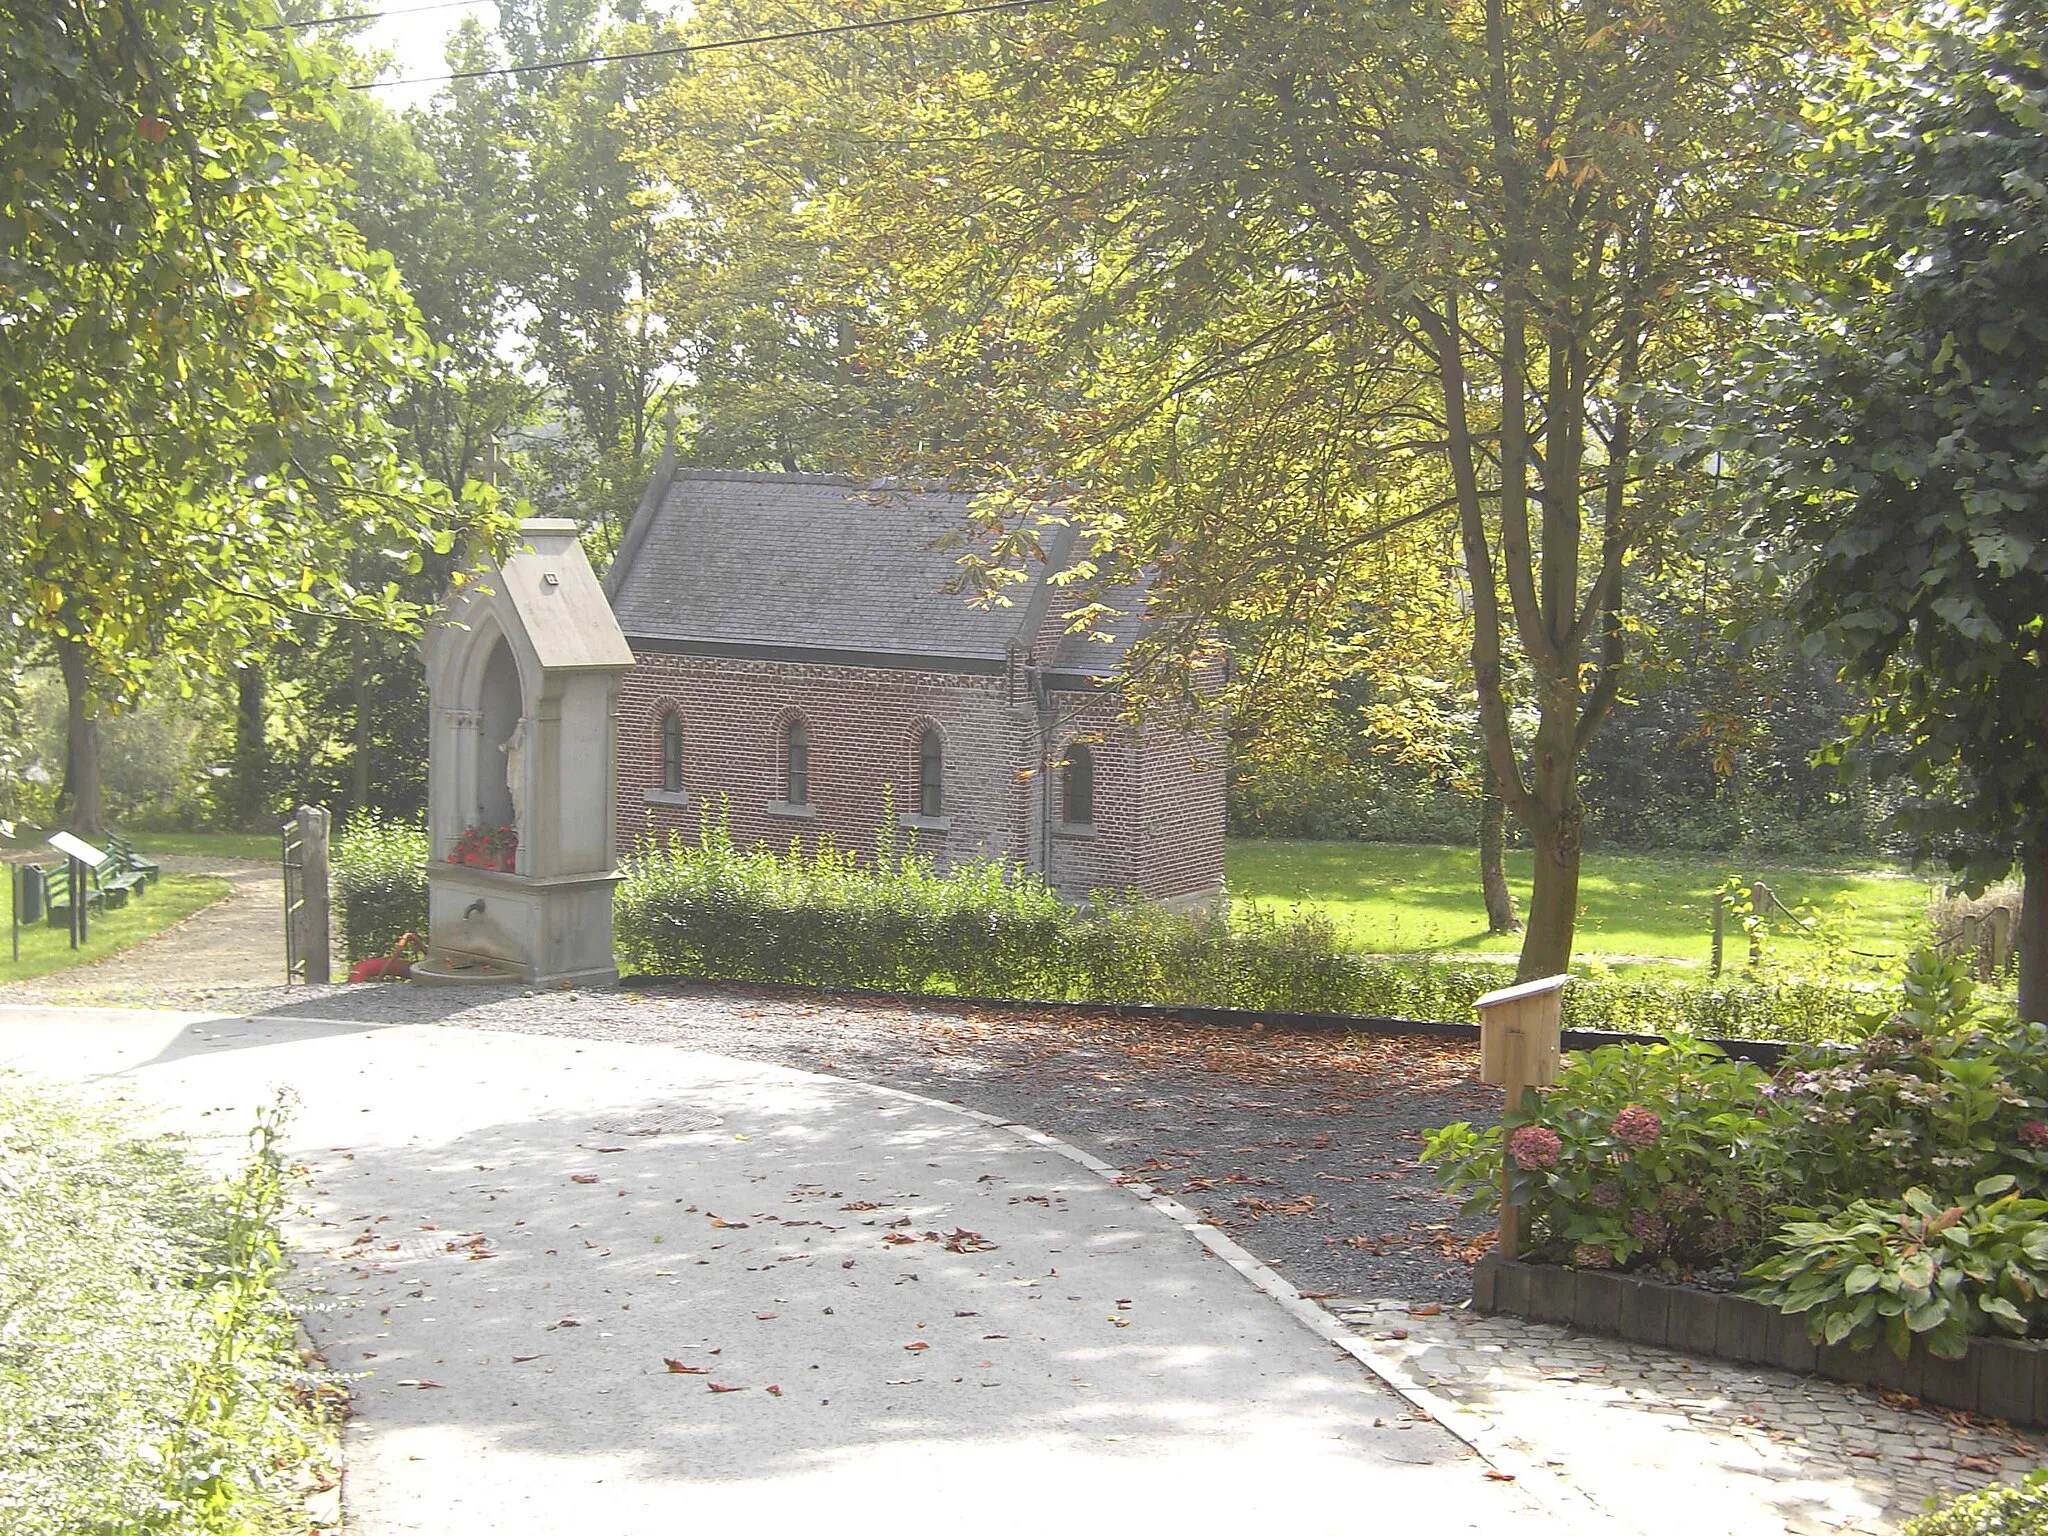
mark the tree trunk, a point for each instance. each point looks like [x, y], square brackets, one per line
[1555, 818]
[251, 750]
[1493, 874]
[80, 804]
[1553, 901]
[2032, 940]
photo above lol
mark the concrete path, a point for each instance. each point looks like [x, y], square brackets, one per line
[880, 1310]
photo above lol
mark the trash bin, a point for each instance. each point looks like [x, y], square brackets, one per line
[31, 894]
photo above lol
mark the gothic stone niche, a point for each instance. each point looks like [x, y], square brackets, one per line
[523, 670]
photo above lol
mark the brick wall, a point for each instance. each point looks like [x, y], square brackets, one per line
[1158, 826]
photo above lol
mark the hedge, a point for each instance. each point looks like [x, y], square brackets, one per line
[983, 930]
[379, 871]
[899, 923]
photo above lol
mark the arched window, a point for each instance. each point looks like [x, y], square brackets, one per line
[931, 773]
[796, 763]
[672, 752]
[1077, 787]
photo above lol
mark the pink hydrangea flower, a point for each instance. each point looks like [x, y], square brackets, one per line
[1534, 1146]
[1608, 1195]
[1637, 1127]
[1649, 1229]
[2035, 1134]
[1592, 1256]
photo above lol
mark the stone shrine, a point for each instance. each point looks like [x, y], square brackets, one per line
[523, 670]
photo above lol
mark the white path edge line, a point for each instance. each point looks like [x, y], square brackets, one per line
[1558, 1495]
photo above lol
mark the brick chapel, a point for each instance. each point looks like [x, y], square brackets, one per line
[797, 656]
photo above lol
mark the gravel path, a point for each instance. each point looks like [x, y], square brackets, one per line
[1302, 1146]
[234, 946]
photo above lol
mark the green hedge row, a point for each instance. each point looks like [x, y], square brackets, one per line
[898, 923]
[980, 930]
[379, 872]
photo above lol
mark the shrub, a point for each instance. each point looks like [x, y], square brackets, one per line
[380, 883]
[1650, 1157]
[1915, 1267]
[149, 1374]
[982, 929]
[2017, 1509]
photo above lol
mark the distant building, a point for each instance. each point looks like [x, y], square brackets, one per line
[796, 654]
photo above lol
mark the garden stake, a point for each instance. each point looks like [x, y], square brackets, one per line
[1518, 1051]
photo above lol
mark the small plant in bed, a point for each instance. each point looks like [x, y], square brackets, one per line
[1892, 1188]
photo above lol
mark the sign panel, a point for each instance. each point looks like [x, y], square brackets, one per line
[77, 848]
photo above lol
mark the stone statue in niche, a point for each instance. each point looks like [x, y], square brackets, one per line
[513, 747]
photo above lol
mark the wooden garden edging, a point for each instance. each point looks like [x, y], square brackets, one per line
[1999, 1378]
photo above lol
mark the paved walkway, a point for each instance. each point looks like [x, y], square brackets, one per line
[607, 1288]
[1683, 1446]
[233, 946]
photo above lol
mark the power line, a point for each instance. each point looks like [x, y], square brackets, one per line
[730, 42]
[403, 10]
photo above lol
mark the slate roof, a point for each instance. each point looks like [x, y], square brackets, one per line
[738, 559]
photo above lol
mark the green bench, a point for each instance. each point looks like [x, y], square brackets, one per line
[56, 894]
[130, 862]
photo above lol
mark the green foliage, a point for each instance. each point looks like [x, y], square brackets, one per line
[1692, 1195]
[2016, 1509]
[984, 930]
[379, 870]
[1912, 1268]
[149, 1373]
[1890, 410]
[1891, 1189]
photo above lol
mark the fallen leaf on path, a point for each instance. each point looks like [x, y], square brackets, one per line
[677, 1368]
[917, 1344]
[582, 1178]
[773, 1391]
[1499, 1477]
[714, 1386]
[522, 1359]
[419, 1383]
[960, 1240]
[567, 1322]
[1427, 1309]
[1976, 1464]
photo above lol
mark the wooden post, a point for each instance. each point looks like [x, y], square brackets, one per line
[1720, 928]
[1759, 897]
[1972, 928]
[312, 915]
[1518, 1050]
[2001, 941]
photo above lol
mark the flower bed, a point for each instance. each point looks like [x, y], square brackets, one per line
[1892, 1190]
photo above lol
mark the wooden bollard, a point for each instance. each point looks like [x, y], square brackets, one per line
[1518, 1050]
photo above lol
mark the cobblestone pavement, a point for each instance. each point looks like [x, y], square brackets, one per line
[1669, 1443]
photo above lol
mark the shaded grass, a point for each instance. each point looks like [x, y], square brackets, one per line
[149, 1379]
[45, 949]
[1399, 898]
[251, 847]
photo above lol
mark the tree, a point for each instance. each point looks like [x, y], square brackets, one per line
[1894, 406]
[1235, 286]
[198, 355]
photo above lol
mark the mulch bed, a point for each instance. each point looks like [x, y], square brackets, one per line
[1302, 1145]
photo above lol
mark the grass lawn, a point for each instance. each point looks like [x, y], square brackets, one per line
[259, 846]
[1400, 898]
[45, 949]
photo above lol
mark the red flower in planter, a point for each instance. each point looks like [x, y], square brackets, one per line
[1637, 1127]
[2035, 1134]
[1534, 1146]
